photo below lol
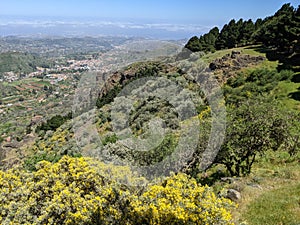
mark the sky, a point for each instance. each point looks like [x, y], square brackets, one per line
[200, 13]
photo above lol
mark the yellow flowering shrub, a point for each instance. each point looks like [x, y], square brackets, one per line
[67, 192]
[85, 191]
[52, 149]
[180, 200]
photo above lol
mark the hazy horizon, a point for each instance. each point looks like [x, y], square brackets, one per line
[60, 26]
[156, 19]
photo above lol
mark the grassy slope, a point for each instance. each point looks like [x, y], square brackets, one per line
[218, 54]
[285, 92]
[271, 193]
[288, 92]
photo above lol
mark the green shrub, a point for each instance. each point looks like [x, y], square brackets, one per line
[109, 139]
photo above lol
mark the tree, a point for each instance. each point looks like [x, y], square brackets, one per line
[222, 38]
[258, 23]
[205, 43]
[193, 44]
[252, 128]
[229, 34]
[246, 31]
[295, 31]
[280, 30]
[215, 31]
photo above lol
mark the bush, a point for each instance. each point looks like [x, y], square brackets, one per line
[52, 148]
[180, 200]
[54, 122]
[286, 74]
[257, 82]
[109, 139]
[66, 192]
[84, 191]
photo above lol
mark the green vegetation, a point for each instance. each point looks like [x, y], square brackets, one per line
[108, 97]
[253, 128]
[54, 183]
[281, 30]
[110, 139]
[40, 100]
[280, 210]
[286, 92]
[253, 82]
[52, 147]
[271, 191]
[53, 123]
[21, 63]
[205, 43]
[279, 33]
[266, 96]
[150, 69]
[231, 35]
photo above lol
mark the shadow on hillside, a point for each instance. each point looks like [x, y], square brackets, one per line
[295, 95]
[286, 60]
[258, 48]
[296, 78]
[213, 178]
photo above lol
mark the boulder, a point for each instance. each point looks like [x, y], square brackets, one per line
[233, 195]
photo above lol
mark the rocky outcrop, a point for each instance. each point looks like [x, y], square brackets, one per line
[235, 61]
[132, 72]
[229, 63]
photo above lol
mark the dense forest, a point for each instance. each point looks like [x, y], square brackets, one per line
[280, 33]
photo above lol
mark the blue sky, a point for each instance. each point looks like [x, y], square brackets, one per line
[187, 17]
[192, 11]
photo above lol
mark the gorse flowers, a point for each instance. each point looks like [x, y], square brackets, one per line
[180, 200]
[84, 191]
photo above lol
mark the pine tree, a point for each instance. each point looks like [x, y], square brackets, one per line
[193, 44]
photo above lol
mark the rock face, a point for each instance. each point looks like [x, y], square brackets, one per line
[233, 62]
[233, 195]
[132, 72]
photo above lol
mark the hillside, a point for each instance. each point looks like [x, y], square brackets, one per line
[271, 191]
[209, 135]
[282, 167]
[20, 63]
